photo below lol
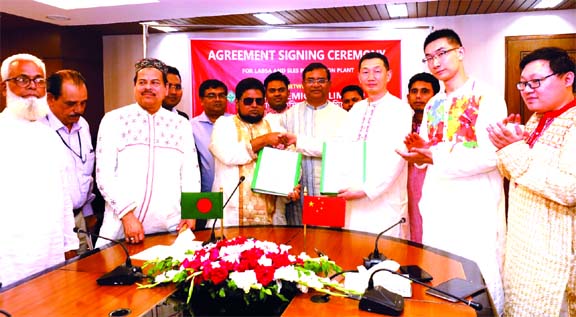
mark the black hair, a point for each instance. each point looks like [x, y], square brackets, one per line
[248, 83]
[449, 34]
[211, 84]
[276, 76]
[560, 61]
[426, 77]
[355, 88]
[314, 66]
[371, 55]
[54, 81]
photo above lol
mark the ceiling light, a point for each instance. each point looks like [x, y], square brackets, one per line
[397, 10]
[545, 4]
[83, 4]
[158, 26]
[269, 18]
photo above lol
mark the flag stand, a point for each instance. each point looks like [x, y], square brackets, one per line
[304, 238]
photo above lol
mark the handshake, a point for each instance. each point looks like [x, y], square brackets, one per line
[279, 140]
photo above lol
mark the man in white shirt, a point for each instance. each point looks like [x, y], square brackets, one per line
[462, 203]
[381, 120]
[145, 158]
[67, 98]
[36, 220]
[313, 121]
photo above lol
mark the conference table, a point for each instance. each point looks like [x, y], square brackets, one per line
[71, 289]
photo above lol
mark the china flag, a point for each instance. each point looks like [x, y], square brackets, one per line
[201, 205]
[324, 211]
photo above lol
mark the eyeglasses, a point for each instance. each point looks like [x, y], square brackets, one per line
[250, 101]
[533, 84]
[312, 81]
[437, 56]
[215, 96]
[175, 86]
[24, 81]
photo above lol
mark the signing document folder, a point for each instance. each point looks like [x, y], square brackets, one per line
[277, 172]
[343, 166]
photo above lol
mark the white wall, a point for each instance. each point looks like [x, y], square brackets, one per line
[483, 37]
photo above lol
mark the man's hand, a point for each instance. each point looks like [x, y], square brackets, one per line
[417, 156]
[133, 230]
[295, 195]
[185, 224]
[350, 193]
[501, 136]
[414, 140]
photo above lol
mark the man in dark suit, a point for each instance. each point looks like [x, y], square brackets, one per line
[174, 91]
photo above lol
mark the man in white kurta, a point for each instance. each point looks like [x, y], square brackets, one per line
[313, 121]
[462, 203]
[540, 266]
[382, 120]
[235, 142]
[36, 218]
[145, 158]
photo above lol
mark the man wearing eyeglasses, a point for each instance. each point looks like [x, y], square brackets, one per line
[235, 142]
[313, 121]
[67, 98]
[36, 221]
[463, 188]
[540, 267]
[213, 99]
[174, 91]
[145, 158]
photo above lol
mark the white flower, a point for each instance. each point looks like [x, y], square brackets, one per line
[286, 273]
[264, 261]
[166, 276]
[244, 280]
[304, 256]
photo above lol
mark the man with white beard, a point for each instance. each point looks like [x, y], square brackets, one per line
[36, 219]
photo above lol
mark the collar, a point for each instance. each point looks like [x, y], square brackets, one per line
[556, 113]
[319, 107]
[57, 125]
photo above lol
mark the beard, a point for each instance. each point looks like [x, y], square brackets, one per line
[250, 119]
[29, 108]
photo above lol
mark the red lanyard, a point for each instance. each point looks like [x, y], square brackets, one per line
[546, 121]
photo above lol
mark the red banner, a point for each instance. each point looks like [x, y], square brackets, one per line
[232, 61]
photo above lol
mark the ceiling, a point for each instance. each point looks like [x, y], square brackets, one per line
[205, 15]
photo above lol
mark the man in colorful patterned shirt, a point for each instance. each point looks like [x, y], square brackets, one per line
[462, 202]
[540, 267]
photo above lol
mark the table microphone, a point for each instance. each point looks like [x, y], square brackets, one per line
[213, 233]
[125, 274]
[380, 300]
[376, 257]
[477, 306]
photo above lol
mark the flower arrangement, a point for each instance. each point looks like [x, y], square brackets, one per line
[256, 269]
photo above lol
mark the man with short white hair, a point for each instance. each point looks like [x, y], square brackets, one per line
[36, 219]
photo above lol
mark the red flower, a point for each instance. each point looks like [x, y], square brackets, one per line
[264, 274]
[216, 275]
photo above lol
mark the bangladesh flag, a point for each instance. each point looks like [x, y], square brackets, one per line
[201, 205]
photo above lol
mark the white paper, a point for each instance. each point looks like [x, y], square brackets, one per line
[342, 166]
[183, 243]
[277, 172]
[393, 283]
